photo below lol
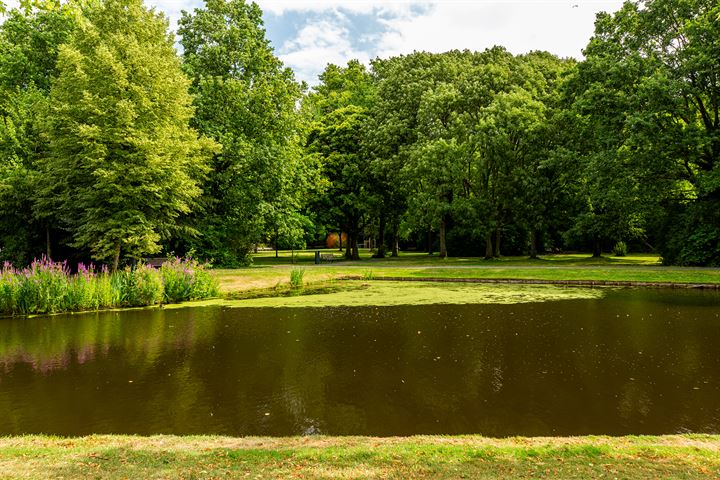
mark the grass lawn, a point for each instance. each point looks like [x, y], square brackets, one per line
[119, 457]
[268, 271]
[307, 257]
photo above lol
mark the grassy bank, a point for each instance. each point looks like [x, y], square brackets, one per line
[269, 272]
[111, 457]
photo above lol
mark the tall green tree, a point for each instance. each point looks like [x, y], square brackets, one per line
[124, 165]
[401, 83]
[649, 94]
[339, 108]
[30, 38]
[247, 101]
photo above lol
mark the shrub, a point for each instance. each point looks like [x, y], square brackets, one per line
[141, 286]
[296, 277]
[8, 289]
[186, 279]
[41, 287]
[620, 249]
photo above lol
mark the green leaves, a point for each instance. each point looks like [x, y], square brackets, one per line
[124, 165]
[338, 112]
[246, 100]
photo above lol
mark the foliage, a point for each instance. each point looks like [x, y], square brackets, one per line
[487, 152]
[138, 286]
[338, 110]
[124, 165]
[30, 38]
[647, 99]
[187, 279]
[246, 100]
[620, 249]
[49, 287]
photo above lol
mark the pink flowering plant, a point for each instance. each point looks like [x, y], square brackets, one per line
[49, 287]
[187, 279]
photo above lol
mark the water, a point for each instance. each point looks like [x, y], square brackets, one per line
[635, 362]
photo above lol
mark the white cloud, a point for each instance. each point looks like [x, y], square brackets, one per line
[279, 7]
[317, 44]
[560, 27]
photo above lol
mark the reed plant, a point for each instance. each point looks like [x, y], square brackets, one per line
[296, 277]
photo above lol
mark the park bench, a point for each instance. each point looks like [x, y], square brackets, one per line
[328, 257]
[156, 262]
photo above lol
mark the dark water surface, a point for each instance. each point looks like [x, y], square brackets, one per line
[635, 362]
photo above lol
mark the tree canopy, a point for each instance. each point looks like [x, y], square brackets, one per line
[114, 146]
[123, 164]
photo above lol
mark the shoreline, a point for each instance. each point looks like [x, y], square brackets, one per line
[423, 457]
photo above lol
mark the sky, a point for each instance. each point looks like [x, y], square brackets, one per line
[309, 34]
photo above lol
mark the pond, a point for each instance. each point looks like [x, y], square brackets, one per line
[630, 362]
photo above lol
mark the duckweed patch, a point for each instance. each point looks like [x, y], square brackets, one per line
[378, 293]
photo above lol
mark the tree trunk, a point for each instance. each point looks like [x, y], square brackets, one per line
[488, 247]
[47, 241]
[277, 236]
[396, 241]
[496, 252]
[351, 238]
[340, 240]
[381, 239]
[597, 248]
[355, 252]
[116, 258]
[443, 245]
[533, 244]
[429, 240]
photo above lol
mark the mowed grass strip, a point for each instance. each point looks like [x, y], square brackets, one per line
[116, 457]
[638, 268]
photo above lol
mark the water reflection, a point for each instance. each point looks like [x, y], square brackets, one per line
[634, 362]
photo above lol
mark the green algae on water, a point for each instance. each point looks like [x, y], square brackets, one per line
[378, 293]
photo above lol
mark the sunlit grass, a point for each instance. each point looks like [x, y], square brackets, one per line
[115, 457]
[269, 272]
[288, 257]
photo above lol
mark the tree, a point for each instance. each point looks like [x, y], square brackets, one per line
[246, 100]
[124, 164]
[401, 83]
[649, 93]
[339, 108]
[30, 38]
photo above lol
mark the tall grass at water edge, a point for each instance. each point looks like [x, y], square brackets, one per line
[296, 277]
[49, 287]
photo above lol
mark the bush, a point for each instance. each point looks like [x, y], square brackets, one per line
[691, 235]
[141, 286]
[40, 288]
[186, 279]
[620, 249]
